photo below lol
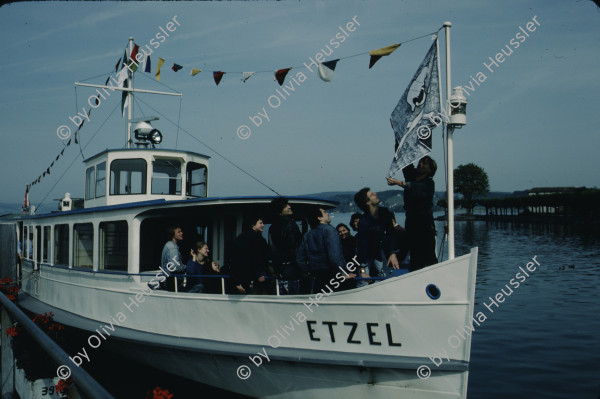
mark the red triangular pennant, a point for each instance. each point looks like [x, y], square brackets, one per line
[218, 75]
[134, 52]
[280, 75]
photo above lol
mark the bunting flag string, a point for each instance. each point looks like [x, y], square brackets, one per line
[325, 68]
[147, 64]
[247, 75]
[281, 74]
[122, 78]
[60, 154]
[218, 75]
[381, 52]
[160, 64]
[131, 64]
[124, 60]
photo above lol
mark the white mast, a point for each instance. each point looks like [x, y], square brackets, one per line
[129, 99]
[449, 148]
[130, 91]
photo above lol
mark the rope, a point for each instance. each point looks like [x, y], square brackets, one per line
[77, 157]
[178, 119]
[212, 149]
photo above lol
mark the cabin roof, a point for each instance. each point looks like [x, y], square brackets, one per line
[155, 150]
[209, 200]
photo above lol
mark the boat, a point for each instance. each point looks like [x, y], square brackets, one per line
[93, 263]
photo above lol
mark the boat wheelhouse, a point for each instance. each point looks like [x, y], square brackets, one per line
[115, 177]
[131, 197]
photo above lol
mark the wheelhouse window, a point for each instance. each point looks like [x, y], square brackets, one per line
[128, 176]
[113, 245]
[166, 176]
[61, 244]
[101, 180]
[90, 175]
[46, 245]
[195, 180]
[83, 245]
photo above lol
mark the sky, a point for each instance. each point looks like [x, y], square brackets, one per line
[532, 122]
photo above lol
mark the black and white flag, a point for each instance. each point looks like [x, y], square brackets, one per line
[414, 117]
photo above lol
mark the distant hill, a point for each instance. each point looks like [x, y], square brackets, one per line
[393, 199]
[10, 209]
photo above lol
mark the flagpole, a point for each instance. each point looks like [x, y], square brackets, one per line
[449, 148]
[130, 99]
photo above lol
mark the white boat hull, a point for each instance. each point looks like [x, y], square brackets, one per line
[350, 344]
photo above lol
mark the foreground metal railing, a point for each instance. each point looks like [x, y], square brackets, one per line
[85, 382]
[223, 277]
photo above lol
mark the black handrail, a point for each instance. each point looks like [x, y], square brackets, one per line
[85, 382]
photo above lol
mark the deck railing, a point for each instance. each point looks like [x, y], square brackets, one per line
[220, 276]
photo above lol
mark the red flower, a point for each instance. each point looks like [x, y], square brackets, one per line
[42, 318]
[63, 385]
[159, 393]
[13, 331]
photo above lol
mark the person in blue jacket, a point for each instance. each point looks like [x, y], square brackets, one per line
[201, 264]
[320, 253]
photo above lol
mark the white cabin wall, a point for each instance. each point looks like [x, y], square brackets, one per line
[133, 253]
[70, 245]
[51, 255]
[96, 245]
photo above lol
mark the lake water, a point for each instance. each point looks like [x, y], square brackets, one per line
[544, 340]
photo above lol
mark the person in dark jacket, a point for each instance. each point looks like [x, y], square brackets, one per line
[418, 203]
[354, 219]
[377, 242]
[320, 253]
[349, 250]
[348, 241]
[200, 264]
[284, 239]
[251, 254]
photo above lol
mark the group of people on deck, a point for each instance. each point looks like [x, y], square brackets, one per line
[306, 264]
